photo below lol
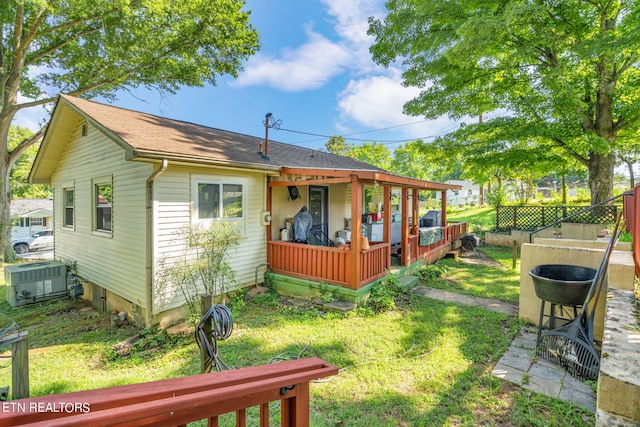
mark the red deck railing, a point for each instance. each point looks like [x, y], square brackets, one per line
[177, 401]
[333, 265]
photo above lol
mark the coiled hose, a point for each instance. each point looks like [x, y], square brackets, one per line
[221, 327]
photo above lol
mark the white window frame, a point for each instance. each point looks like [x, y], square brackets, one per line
[96, 182]
[65, 206]
[221, 181]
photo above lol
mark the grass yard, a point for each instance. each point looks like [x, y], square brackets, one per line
[476, 279]
[425, 363]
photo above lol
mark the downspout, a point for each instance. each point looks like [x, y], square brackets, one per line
[150, 240]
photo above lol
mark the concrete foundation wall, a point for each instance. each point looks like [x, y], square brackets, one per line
[567, 230]
[619, 381]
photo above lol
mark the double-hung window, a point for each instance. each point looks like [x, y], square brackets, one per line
[216, 200]
[69, 207]
[103, 205]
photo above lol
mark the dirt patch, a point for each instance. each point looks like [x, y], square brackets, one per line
[479, 258]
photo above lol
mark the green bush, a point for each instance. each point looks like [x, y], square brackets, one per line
[432, 271]
[383, 296]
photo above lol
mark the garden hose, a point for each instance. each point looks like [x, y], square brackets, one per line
[221, 322]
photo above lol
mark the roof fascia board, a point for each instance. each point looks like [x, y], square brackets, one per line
[177, 159]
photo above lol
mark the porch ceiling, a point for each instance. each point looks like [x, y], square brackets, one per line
[344, 175]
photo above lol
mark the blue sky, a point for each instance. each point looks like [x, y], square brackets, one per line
[313, 71]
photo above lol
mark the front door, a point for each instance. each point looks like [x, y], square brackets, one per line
[319, 210]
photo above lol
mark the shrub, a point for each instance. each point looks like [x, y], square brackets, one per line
[383, 296]
[432, 271]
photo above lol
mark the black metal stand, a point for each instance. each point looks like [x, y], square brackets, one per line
[555, 321]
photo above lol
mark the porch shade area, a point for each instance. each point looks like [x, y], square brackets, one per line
[359, 263]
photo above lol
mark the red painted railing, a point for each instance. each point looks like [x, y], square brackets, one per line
[374, 263]
[177, 401]
[334, 265]
[320, 263]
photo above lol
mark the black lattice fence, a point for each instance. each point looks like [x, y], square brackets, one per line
[533, 217]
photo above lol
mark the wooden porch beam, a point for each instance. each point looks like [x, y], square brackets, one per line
[369, 175]
[318, 181]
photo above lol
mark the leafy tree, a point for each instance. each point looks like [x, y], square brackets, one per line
[566, 71]
[418, 159]
[18, 179]
[336, 145]
[373, 153]
[96, 47]
[628, 151]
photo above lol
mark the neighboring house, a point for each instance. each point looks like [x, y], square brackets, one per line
[467, 194]
[29, 216]
[124, 182]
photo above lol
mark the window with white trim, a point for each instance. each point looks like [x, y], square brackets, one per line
[68, 198]
[217, 200]
[103, 205]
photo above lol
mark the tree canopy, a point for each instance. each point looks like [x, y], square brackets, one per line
[564, 72]
[20, 187]
[96, 47]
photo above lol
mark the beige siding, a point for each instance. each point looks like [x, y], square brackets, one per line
[114, 261]
[173, 209]
[337, 202]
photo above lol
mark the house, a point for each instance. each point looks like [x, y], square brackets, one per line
[125, 181]
[29, 216]
[468, 193]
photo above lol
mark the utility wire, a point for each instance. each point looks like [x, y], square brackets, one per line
[389, 142]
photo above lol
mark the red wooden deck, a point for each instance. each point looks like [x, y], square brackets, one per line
[334, 265]
[177, 401]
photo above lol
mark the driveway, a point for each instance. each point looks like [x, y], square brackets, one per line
[37, 256]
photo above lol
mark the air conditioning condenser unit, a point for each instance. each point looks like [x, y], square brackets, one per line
[35, 282]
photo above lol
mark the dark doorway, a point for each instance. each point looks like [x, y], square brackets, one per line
[319, 208]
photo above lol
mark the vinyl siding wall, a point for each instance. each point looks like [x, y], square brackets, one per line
[114, 261]
[174, 208]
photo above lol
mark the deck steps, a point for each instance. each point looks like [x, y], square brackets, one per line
[455, 254]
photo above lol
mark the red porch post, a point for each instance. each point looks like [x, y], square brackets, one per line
[444, 207]
[386, 226]
[416, 211]
[356, 230]
[269, 190]
[404, 245]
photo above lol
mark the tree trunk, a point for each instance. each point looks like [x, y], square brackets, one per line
[6, 251]
[601, 168]
[632, 181]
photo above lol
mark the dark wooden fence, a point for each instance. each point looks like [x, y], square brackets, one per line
[534, 217]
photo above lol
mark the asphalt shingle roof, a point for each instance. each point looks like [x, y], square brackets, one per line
[154, 136]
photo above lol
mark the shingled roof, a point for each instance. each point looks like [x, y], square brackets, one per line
[154, 137]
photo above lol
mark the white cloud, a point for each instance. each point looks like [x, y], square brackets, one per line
[313, 64]
[297, 69]
[378, 101]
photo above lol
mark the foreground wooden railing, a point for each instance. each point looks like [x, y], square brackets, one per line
[177, 401]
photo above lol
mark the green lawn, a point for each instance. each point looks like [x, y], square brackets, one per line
[425, 363]
[479, 219]
[477, 280]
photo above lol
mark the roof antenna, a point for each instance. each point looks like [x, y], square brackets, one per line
[269, 122]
